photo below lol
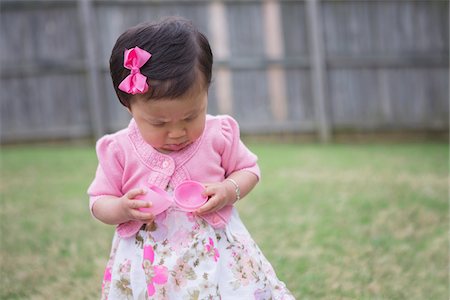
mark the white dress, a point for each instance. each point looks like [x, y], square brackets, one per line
[180, 256]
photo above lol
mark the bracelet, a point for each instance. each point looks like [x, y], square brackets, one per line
[237, 189]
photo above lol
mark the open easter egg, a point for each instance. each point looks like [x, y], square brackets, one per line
[188, 195]
[159, 198]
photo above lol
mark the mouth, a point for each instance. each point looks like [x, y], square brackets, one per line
[176, 147]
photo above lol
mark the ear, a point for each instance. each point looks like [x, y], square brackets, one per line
[129, 110]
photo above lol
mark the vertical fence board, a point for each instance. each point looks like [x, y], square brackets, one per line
[89, 30]
[245, 29]
[298, 78]
[251, 98]
[294, 28]
[301, 106]
[220, 100]
[317, 53]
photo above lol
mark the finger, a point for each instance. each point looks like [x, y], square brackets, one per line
[135, 204]
[135, 192]
[209, 191]
[213, 204]
[143, 216]
[206, 208]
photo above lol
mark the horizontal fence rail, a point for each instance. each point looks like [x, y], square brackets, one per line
[312, 66]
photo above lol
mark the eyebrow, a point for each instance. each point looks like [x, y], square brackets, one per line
[157, 119]
[162, 120]
[191, 113]
[194, 111]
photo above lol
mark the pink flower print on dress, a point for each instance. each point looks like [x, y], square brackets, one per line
[125, 267]
[211, 250]
[154, 274]
[182, 272]
[107, 276]
[106, 282]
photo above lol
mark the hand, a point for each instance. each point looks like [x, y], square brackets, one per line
[131, 206]
[219, 194]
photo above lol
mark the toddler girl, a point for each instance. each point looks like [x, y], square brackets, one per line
[161, 73]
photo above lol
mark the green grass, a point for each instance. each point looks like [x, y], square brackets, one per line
[336, 221]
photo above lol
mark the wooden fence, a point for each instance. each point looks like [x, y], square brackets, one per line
[316, 66]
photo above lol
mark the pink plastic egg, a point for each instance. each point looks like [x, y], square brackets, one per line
[159, 198]
[188, 195]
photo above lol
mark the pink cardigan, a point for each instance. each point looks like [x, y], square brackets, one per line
[126, 161]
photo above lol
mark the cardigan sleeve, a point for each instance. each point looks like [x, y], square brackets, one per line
[108, 177]
[236, 156]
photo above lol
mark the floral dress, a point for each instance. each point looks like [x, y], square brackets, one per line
[181, 256]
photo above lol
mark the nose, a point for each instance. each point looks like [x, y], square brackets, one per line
[177, 132]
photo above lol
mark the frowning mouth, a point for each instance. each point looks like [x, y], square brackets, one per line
[176, 147]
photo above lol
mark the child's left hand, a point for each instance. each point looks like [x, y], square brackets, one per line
[220, 194]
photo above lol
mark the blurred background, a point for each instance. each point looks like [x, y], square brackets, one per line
[345, 102]
[312, 67]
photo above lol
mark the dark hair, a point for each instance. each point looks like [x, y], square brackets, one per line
[180, 53]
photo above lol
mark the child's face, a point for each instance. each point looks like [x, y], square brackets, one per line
[171, 124]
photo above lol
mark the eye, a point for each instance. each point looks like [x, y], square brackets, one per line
[191, 118]
[157, 124]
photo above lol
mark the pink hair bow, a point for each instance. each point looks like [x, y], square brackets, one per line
[135, 83]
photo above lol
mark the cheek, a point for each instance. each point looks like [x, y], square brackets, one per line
[153, 137]
[198, 128]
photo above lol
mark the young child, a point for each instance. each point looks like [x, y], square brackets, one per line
[161, 73]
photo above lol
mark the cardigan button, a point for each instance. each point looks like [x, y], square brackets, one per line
[165, 164]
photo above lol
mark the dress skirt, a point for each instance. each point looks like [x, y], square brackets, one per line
[181, 256]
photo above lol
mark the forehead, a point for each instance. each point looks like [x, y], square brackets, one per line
[170, 109]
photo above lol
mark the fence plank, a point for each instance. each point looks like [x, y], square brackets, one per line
[89, 33]
[274, 45]
[221, 49]
[317, 53]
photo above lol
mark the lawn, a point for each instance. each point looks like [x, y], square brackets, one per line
[336, 221]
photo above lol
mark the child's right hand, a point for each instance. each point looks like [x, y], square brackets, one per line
[131, 206]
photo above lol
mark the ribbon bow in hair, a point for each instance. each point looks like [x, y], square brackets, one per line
[135, 83]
